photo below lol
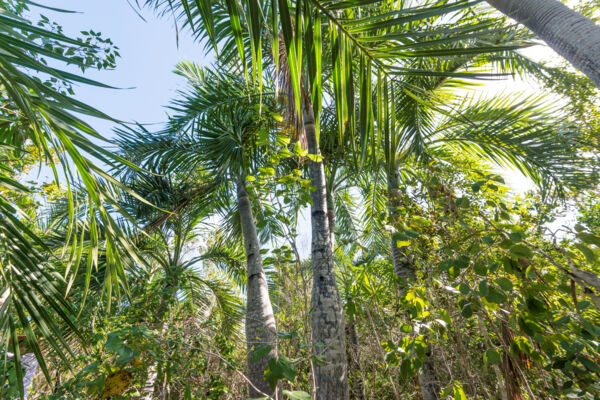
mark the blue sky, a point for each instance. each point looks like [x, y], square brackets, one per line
[149, 53]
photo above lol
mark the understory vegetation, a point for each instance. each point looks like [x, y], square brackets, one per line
[322, 215]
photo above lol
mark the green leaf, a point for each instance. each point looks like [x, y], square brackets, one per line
[292, 39]
[315, 157]
[453, 272]
[297, 395]
[582, 305]
[535, 306]
[488, 239]
[589, 254]
[495, 296]
[402, 243]
[459, 393]
[492, 357]
[279, 368]
[516, 237]
[233, 9]
[589, 238]
[521, 251]
[587, 363]
[299, 151]
[467, 311]
[505, 283]
[480, 269]
[477, 186]
[260, 352]
[464, 288]
[484, 288]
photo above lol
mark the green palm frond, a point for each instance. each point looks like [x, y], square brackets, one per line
[526, 134]
[383, 35]
[38, 110]
[218, 296]
[227, 254]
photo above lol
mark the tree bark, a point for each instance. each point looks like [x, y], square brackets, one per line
[430, 388]
[327, 315]
[331, 216]
[405, 273]
[569, 33]
[154, 388]
[260, 321]
[357, 389]
[30, 363]
[403, 267]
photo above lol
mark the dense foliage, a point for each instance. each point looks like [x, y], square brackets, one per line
[175, 262]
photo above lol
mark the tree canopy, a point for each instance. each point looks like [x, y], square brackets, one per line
[172, 260]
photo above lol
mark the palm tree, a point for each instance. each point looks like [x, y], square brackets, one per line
[570, 34]
[215, 130]
[173, 277]
[369, 34]
[39, 116]
[425, 119]
[167, 244]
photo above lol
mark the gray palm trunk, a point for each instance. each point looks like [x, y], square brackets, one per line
[327, 315]
[405, 272]
[30, 363]
[357, 389]
[153, 386]
[260, 321]
[569, 33]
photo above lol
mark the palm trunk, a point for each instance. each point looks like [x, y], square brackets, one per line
[260, 322]
[569, 33]
[331, 215]
[30, 363]
[405, 272]
[153, 387]
[357, 389]
[403, 267]
[327, 315]
[430, 388]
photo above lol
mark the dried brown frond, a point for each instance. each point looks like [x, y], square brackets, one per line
[293, 117]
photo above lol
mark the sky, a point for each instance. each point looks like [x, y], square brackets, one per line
[149, 52]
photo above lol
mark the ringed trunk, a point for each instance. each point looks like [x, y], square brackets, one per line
[405, 272]
[260, 321]
[356, 386]
[569, 33]
[327, 315]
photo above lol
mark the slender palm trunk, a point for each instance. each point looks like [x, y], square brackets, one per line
[405, 272]
[327, 315]
[30, 363]
[430, 388]
[403, 267]
[154, 388]
[331, 216]
[569, 33]
[357, 388]
[260, 322]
